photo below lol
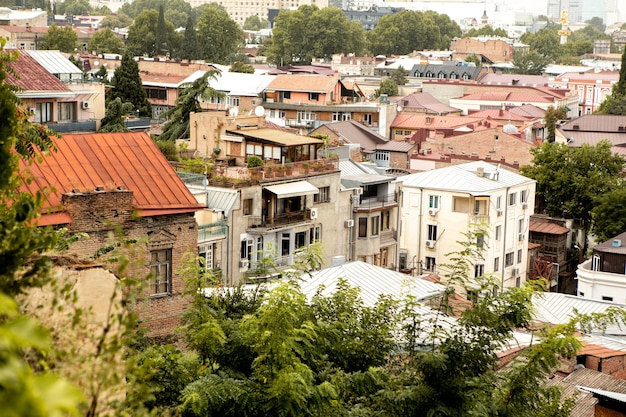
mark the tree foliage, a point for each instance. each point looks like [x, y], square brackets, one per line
[486, 30]
[63, 39]
[609, 214]
[126, 85]
[387, 86]
[529, 62]
[409, 31]
[105, 41]
[255, 23]
[300, 35]
[239, 66]
[616, 102]
[218, 35]
[145, 32]
[189, 48]
[551, 117]
[177, 125]
[569, 179]
[399, 75]
[115, 115]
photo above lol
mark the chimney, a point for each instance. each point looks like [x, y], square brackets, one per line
[480, 172]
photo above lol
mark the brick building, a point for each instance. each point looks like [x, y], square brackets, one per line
[119, 184]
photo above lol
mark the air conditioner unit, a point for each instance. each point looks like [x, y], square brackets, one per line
[350, 223]
[430, 244]
[86, 105]
[313, 213]
[358, 191]
[520, 237]
[31, 110]
[514, 272]
[524, 206]
[432, 212]
[243, 263]
[500, 212]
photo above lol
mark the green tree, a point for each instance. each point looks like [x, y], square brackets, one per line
[486, 30]
[74, 7]
[399, 75]
[239, 66]
[119, 20]
[105, 41]
[309, 32]
[569, 179]
[551, 117]
[530, 62]
[161, 43]
[609, 214]
[387, 86]
[475, 59]
[616, 102]
[545, 42]
[143, 33]
[177, 125]
[26, 390]
[597, 23]
[126, 85]
[102, 74]
[189, 49]
[218, 35]
[254, 23]
[115, 115]
[63, 39]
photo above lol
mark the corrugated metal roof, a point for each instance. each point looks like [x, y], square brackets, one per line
[279, 137]
[33, 76]
[463, 178]
[216, 198]
[578, 138]
[54, 62]
[557, 308]
[540, 226]
[396, 146]
[604, 123]
[427, 102]
[235, 83]
[86, 161]
[599, 393]
[509, 97]
[617, 244]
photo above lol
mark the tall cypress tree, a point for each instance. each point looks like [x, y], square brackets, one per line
[190, 43]
[161, 45]
[126, 84]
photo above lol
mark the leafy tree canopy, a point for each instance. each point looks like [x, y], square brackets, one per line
[218, 35]
[63, 38]
[115, 114]
[609, 214]
[387, 86]
[399, 75]
[239, 66]
[120, 20]
[144, 34]
[552, 116]
[616, 102]
[255, 23]
[105, 41]
[486, 30]
[126, 85]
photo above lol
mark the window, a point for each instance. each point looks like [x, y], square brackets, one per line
[499, 202]
[367, 119]
[518, 282]
[43, 112]
[66, 112]
[519, 256]
[432, 232]
[156, 93]
[508, 260]
[398, 133]
[523, 196]
[286, 94]
[498, 232]
[22, 45]
[160, 271]
[512, 199]
[595, 263]
[382, 155]
[314, 96]
[385, 220]
[433, 201]
[247, 207]
[323, 196]
[375, 225]
[205, 252]
[314, 234]
[300, 240]
[606, 298]
[479, 270]
[460, 204]
[520, 226]
[430, 264]
[246, 249]
[480, 240]
[363, 227]
[496, 264]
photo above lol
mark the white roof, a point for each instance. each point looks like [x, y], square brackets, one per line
[464, 178]
[292, 189]
[54, 62]
[236, 83]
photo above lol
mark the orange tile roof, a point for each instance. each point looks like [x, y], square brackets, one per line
[508, 96]
[292, 82]
[418, 121]
[33, 76]
[86, 161]
[162, 79]
[24, 29]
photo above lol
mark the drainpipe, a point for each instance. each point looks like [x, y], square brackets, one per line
[503, 259]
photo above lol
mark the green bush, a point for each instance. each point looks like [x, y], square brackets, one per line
[255, 161]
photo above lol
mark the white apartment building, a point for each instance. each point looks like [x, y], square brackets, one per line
[240, 10]
[438, 207]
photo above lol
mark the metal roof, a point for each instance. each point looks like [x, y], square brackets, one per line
[292, 189]
[599, 393]
[279, 137]
[463, 178]
[83, 162]
[55, 62]
[216, 198]
[235, 83]
[33, 77]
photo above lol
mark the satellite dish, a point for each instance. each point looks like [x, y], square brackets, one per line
[233, 111]
[259, 111]
[399, 108]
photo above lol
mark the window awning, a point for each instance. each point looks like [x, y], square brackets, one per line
[293, 189]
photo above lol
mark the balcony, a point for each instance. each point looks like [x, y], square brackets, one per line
[279, 221]
[376, 203]
[211, 231]
[300, 123]
[78, 126]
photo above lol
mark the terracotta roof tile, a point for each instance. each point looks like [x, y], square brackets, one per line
[86, 161]
[547, 227]
[315, 83]
[418, 121]
[33, 76]
[508, 96]
[164, 80]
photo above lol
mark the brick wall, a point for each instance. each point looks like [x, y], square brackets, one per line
[108, 216]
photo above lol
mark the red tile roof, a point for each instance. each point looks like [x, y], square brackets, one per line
[547, 227]
[418, 121]
[315, 83]
[86, 161]
[33, 76]
[508, 96]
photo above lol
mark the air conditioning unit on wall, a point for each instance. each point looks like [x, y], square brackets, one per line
[350, 223]
[430, 244]
[313, 213]
[86, 105]
[520, 237]
[243, 263]
[432, 212]
[358, 191]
